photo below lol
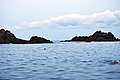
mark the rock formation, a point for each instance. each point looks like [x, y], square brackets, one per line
[36, 39]
[97, 36]
[7, 37]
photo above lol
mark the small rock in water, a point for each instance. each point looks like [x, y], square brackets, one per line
[44, 48]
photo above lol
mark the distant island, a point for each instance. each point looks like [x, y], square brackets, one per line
[6, 37]
[97, 36]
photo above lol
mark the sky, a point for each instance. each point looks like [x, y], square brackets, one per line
[59, 19]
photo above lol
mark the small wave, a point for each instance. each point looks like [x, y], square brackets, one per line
[59, 78]
[113, 72]
[61, 70]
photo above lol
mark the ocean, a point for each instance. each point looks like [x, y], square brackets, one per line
[60, 61]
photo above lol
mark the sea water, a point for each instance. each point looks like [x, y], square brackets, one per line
[60, 61]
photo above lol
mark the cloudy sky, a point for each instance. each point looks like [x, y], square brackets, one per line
[59, 19]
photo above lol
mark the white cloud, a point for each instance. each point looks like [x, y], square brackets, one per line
[103, 19]
[5, 26]
[27, 25]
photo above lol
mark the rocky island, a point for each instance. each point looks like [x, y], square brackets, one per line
[97, 36]
[6, 37]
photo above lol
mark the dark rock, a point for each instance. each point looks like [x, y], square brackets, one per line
[36, 39]
[6, 37]
[97, 36]
[65, 41]
[80, 38]
[102, 36]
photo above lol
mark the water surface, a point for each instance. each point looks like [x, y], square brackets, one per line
[60, 61]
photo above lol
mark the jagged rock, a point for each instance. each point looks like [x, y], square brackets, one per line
[97, 36]
[2, 32]
[7, 37]
[36, 39]
[102, 36]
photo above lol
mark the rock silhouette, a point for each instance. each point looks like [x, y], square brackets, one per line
[36, 39]
[97, 36]
[6, 37]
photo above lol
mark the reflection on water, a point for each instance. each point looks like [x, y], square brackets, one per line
[60, 61]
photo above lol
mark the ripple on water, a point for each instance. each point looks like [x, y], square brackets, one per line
[59, 78]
